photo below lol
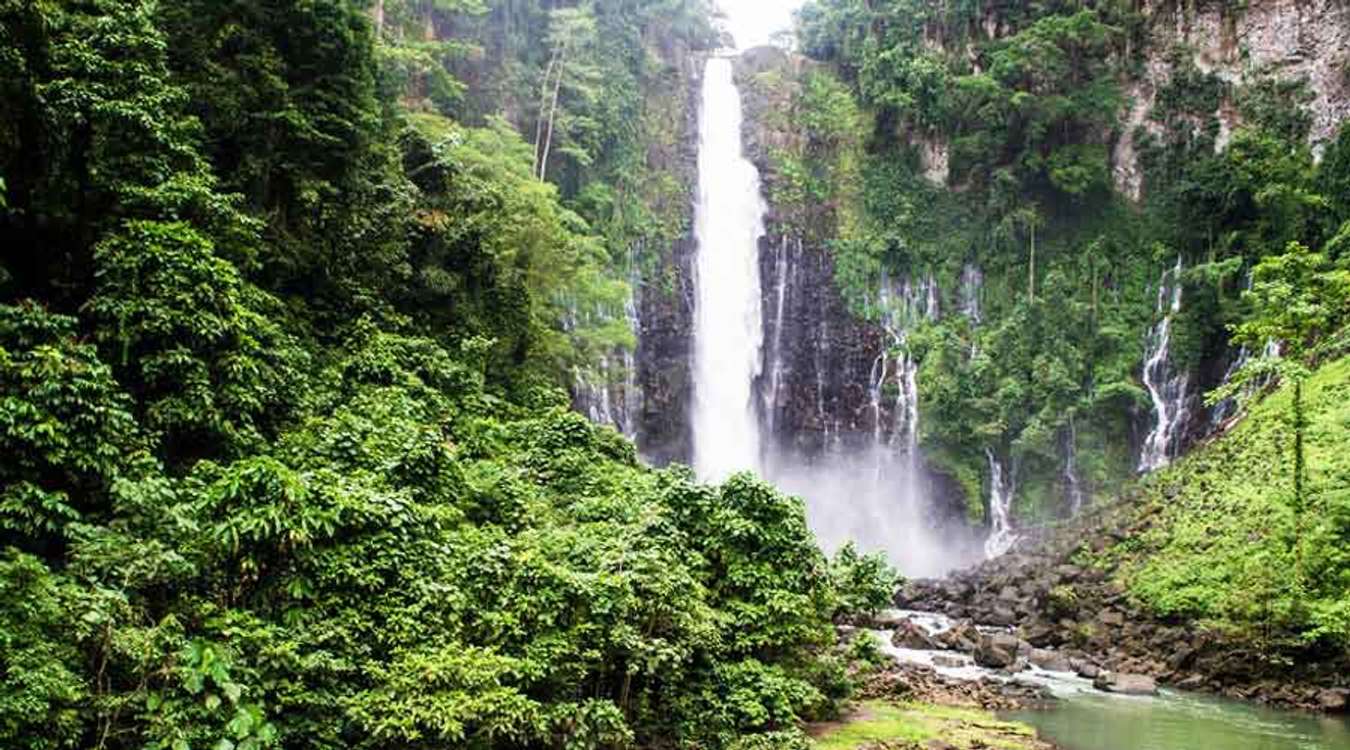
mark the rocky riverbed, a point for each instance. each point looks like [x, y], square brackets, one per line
[1038, 608]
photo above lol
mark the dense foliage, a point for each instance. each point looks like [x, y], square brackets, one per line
[1224, 542]
[286, 462]
[986, 140]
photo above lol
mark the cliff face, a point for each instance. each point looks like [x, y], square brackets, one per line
[666, 289]
[1292, 42]
[818, 358]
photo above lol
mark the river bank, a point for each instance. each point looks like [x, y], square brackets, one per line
[1058, 592]
[1006, 680]
[909, 706]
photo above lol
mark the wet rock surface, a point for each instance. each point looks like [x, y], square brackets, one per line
[917, 682]
[1126, 684]
[1062, 612]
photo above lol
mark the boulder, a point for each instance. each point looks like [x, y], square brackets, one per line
[1050, 661]
[1040, 634]
[1124, 683]
[1192, 682]
[911, 636]
[997, 651]
[1000, 615]
[1333, 701]
[960, 637]
[1087, 670]
[1111, 618]
[1068, 573]
[887, 619]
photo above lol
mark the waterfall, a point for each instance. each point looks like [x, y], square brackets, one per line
[728, 330]
[1166, 388]
[608, 393]
[783, 272]
[1072, 484]
[972, 283]
[1002, 489]
[1226, 408]
[749, 335]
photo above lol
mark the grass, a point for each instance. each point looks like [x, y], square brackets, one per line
[910, 724]
[1224, 544]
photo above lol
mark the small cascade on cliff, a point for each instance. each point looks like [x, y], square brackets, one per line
[1167, 388]
[608, 393]
[728, 330]
[902, 306]
[784, 273]
[1002, 490]
[1227, 408]
[1073, 485]
[972, 286]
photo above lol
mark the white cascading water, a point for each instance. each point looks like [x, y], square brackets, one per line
[610, 394]
[1002, 489]
[1073, 486]
[1168, 390]
[784, 273]
[728, 330]
[874, 497]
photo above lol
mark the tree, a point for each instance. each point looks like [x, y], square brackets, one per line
[1296, 299]
[571, 38]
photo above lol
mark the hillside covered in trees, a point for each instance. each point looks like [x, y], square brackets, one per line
[288, 461]
[345, 358]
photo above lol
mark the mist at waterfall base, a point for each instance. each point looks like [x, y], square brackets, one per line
[873, 496]
[887, 510]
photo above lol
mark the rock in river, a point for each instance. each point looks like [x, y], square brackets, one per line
[997, 651]
[1125, 683]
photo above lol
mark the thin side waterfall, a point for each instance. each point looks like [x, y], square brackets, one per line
[1002, 489]
[1073, 486]
[902, 306]
[609, 393]
[972, 284]
[728, 329]
[1227, 408]
[784, 270]
[1168, 389]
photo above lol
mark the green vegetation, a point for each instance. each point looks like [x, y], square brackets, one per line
[986, 138]
[909, 724]
[1230, 545]
[287, 463]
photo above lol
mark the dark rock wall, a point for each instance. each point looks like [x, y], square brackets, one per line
[666, 294]
[814, 390]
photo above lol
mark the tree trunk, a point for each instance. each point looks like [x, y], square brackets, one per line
[1298, 485]
[1031, 267]
[553, 112]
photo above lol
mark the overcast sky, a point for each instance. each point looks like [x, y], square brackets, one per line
[752, 22]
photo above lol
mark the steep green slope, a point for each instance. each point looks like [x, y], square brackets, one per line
[1226, 544]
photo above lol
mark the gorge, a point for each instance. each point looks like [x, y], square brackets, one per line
[556, 375]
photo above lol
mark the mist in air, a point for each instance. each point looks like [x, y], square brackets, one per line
[754, 22]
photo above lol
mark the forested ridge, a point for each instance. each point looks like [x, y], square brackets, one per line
[287, 313]
[1053, 169]
[927, 141]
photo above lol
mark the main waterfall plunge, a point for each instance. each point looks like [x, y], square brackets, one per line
[875, 495]
[728, 330]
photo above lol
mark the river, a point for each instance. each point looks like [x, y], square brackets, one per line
[1085, 718]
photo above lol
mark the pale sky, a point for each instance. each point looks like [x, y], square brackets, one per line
[752, 22]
